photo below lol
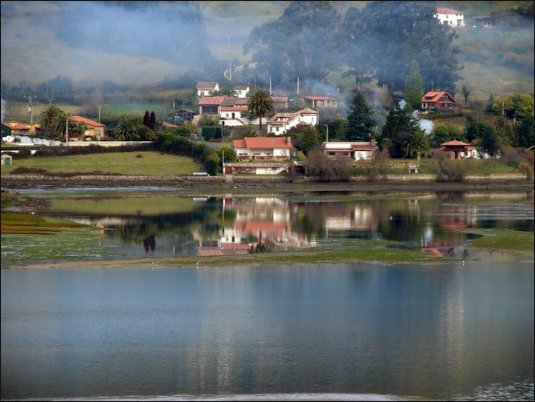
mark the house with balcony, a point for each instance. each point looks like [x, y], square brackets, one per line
[352, 150]
[281, 122]
[263, 149]
[439, 100]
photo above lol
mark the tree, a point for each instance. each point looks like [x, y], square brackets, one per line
[360, 122]
[490, 104]
[397, 129]
[414, 86]
[514, 106]
[416, 144]
[146, 118]
[489, 140]
[466, 93]
[474, 128]
[524, 132]
[152, 121]
[260, 104]
[288, 47]
[306, 140]
[444, 133]
[385, 37]
[228, 152]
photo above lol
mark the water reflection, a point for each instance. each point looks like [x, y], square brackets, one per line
[240, 225]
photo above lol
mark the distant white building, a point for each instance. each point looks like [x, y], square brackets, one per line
[207, 88]
[449, 16]
[280, 123]
[241, 91]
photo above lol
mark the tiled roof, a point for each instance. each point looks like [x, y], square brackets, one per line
[263, 142]
[279, 98]
[20, 126]
[88, 122]
[307, 110]
[455, 143]
[212, 100]
[320, 97]
[288, 116]
[206, 85]
[445, 10]
[434, 96]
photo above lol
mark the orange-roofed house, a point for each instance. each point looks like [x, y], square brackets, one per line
[264, 148]
[93, 128]
[211, 104]
[438, 100]
[450, 17]
[207, 88]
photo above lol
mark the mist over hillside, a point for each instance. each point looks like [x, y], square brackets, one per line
[136, 44]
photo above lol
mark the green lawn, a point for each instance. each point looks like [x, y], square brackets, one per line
[126, 163]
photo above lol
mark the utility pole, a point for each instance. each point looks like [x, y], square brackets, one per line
[327, 133]
[30, 112]
[222, 130]
[99, 113]
[270, 85]
[67, 130]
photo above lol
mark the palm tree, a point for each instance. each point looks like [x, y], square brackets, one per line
[50, 118]
[128, 128]
[260, 104]
[416, 143]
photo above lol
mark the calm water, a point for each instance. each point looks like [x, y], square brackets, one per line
[460, 330]
[446, 332]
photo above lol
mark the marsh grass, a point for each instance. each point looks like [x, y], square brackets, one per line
[503, 239]
[14, 223]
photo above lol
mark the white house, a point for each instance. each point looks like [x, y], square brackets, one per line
[235, 115]
[354, 150]
[263, 148]
[280, 123]
[207, 88]
[449, 16]
[241, 91]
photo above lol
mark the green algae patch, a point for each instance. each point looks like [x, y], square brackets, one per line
[503, 239]
[15, 223]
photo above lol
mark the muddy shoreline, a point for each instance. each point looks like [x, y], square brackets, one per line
[275, 184]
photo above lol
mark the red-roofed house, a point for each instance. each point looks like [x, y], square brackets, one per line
[459, 149]
[207, 88]
[93, 128]
[280, 123]
[211, 104]
[438, 100]
[22, 128]
[354, 150]
[320, 101]
[263, 148]
[449, 16]
[235, 115]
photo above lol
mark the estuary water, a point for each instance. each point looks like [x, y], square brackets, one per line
[340, 332]
[459, 329]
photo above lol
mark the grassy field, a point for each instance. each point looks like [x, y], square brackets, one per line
[14, 223]
[126, 163]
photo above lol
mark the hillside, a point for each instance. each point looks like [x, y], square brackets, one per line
[37, 46]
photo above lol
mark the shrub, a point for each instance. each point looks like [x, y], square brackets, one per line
[450, 170]
[325, 169]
